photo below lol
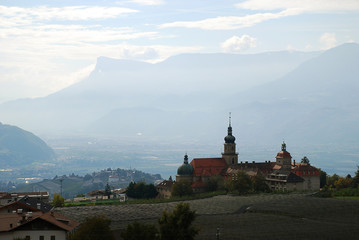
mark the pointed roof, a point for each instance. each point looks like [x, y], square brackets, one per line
[229, 138]
[12, 221]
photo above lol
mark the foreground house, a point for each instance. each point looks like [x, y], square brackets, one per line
[35, 225]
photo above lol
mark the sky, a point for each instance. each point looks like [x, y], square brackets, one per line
[46, 46]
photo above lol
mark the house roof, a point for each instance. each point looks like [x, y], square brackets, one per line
[12, 221]
[208, 166]
[283, 154]
[294, 178]
[254, 167]
[35, 204]
[165, 184]
[305, 168]
[6, 195]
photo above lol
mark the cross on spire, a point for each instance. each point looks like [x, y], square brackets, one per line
[230, 118]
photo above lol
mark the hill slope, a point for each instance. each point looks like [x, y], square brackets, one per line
[19, 147]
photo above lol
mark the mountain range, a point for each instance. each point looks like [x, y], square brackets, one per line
[306, 98]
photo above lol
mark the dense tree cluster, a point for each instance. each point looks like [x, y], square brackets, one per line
[58, 201]
[141, 190]
[93, 228]
[181, 188]
[336, 185]
[176, 225]
[242, 183]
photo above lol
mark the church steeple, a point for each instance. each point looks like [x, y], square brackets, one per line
[229, 138]
[229, 153]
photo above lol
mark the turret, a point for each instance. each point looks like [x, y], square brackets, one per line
[284, 158]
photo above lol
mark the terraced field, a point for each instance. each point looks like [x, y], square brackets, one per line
[265, 216]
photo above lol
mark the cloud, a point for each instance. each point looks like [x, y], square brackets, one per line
[328, 40]
[230, 22]
[237, 44]
[301, 5]
[268, 10]
[148, 2]
[72, 13]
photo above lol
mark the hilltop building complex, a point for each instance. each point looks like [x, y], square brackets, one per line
[281, 174]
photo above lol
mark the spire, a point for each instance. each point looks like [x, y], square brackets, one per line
[185, 159]
[229, 125]
[230, 118]
[284, 146]
[229, 138]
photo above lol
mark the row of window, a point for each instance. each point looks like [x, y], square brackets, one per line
[41, 238]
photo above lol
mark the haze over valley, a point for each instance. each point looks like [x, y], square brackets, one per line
[131, 114]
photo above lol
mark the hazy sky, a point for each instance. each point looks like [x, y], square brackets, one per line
[48, 45]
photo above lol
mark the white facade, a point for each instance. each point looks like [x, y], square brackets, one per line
[35, 235]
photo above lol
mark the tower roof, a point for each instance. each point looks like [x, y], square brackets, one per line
[283, 153]
[185, 169]
[229, 138]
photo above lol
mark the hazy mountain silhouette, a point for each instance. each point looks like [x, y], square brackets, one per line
[182, 85]
[316, 102]
[302, 97]
[19, 147]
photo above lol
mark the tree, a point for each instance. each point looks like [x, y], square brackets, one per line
[94, 228]
[108, 191]
[323, 178]
[215, 183]
[141, 231]
[343, 183]
[305, 160]
[178, 224]
[355, 182]
[141, 190]
[331, 180]
[181, 188]
[240, 182]
[259, 184]
[58, 201]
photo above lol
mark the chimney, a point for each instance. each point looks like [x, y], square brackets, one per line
[294, 162]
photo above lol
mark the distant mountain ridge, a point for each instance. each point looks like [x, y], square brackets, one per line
[302, 97]
[182, 84]
[19, 147]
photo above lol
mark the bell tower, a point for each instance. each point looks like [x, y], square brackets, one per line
[284, 159]
[229, 154]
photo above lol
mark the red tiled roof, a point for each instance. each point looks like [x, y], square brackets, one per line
[304, 169]
[208, 166]
[283, 154]
[11, 221]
